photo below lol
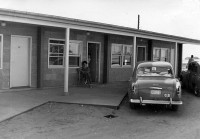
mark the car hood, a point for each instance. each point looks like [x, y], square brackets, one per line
[156, 82]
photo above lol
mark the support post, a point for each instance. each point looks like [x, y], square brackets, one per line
[66, 72]
[134, 52]
[175, 60]
[39, 55]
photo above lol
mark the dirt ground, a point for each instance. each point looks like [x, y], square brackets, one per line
[71, 121]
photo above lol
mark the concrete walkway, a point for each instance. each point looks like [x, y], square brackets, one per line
[15, 102]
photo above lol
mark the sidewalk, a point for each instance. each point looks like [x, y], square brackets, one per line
[15, 102]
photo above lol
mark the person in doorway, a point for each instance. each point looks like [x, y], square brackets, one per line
[85, 73]
[191, 59]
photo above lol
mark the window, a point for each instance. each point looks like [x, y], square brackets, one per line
[121, 55]
[155, 71]
[161, 54]
[116, 54]
[74, 53]
[56, 53]
[127, 55]
[1, 51]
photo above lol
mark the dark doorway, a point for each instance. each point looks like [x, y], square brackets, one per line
[94, 61]
[141, 53]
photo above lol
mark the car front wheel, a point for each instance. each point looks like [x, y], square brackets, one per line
[196, 91]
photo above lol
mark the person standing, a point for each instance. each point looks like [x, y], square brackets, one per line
[191, 59]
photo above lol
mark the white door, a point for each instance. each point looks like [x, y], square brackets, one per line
[20, 57]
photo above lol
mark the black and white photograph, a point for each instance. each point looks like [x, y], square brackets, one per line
[99, 69]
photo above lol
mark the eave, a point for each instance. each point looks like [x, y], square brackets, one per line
[63, 22]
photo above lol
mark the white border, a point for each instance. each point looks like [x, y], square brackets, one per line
[30, 57]
[99, 57]
[1, 66]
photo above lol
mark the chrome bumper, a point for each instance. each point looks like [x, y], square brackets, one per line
[171, 102]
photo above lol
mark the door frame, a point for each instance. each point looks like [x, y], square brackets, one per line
[30, 57]
[98, 57]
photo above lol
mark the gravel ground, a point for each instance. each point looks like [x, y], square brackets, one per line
[71, 121]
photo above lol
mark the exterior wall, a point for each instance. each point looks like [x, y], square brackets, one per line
[23, 30]
[51, 77]
[86, 37]
[118, 73]
[54, 77]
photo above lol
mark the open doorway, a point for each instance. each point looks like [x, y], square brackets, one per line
[93, 56]
[141, 53]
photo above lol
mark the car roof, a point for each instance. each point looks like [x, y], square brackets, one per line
[154, 63]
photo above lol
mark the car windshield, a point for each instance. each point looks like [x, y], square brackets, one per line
[155, 71]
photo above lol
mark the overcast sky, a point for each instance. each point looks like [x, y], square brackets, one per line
[174, 17]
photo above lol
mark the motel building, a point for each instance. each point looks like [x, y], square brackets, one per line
[42, 51]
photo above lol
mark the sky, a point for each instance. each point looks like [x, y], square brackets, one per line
[174, 17]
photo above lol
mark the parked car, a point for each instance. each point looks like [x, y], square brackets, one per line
[154, 83]
[190, 78]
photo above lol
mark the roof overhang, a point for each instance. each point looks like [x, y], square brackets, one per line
[57, 21]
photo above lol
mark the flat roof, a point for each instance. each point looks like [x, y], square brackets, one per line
[58, 21]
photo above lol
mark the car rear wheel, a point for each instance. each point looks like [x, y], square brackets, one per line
[134, 106]
[174, 107]
[196, 91]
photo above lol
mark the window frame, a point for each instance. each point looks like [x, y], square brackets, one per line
[80, 52]
[70, 41]
[160, 53]
[56, 66]
[1, 48]
[122, 55]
